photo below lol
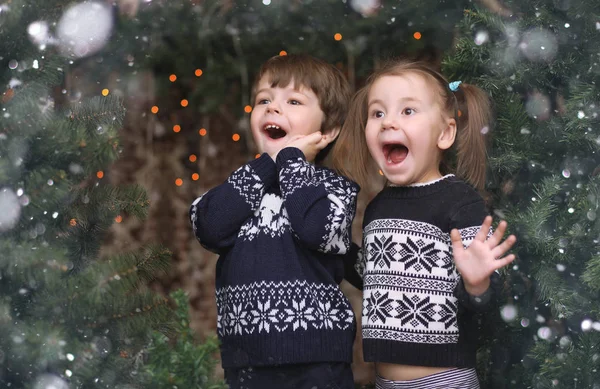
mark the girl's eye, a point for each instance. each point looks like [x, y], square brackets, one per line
[408, 111]
[262, 101]
[378, 114]
[294, 102]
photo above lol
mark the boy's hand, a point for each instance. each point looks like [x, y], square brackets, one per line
[309, 144]
[477, 263]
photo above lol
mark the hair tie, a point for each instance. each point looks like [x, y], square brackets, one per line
[454, 85]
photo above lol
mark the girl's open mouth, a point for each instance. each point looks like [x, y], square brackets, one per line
[395, 152]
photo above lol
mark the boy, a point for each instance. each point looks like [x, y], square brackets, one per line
[281, 226]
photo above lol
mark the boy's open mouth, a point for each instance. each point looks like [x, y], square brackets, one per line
[273, 131]
[395, 152]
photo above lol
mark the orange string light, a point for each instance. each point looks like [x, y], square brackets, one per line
[154, 109]
[417, 35]
[178, 182]
[337, 36]
[283, 52]
[176, 128]
[172, 78]
[195, 176]
[235, 137]
[248, 109]
[100, 174]
[202, 132]
[193, 158]
[198, 72]
[119, 219]
[105, 92]
[184, 103]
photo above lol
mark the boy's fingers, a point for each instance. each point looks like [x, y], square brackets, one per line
[322, 143]
[315, 137]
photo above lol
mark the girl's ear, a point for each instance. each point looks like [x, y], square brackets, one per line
[331, 134]
[448, 135]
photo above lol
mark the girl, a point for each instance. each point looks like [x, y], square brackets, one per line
[419, 304]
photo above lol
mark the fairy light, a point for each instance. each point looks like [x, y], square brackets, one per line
[119, 218]
[417, 35]
[198, 72]
[283, 52]
[154, 109]
[248, 109]
[178, 182]
[100, 174]
[193, 157]
[337, 36]
[235, 137]
[195, 176]
[257, 156]
[172, 78]
[176, 128]
[202, 132]
[105, 92]
[184, 103]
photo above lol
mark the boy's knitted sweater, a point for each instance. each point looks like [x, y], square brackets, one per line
[281, 230]
[416, 310]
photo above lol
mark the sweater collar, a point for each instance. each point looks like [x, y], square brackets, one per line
[420, 189]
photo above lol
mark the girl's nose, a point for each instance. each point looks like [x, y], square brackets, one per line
[389, 123]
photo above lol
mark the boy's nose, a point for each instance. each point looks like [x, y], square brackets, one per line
[273, 107]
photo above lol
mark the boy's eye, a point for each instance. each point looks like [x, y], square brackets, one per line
[408, 111]
[262, 101]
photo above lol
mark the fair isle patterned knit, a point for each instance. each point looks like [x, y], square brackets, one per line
[281, 231]
[415, 308]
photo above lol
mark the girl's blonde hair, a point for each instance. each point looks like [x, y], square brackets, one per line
[469, 105]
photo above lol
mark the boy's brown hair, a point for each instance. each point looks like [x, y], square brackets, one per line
[469, 105]
[325, 80]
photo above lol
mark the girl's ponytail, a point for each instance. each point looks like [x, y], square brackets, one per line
[474, 117]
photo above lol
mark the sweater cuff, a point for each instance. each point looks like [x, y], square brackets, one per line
[265, 168]
[287, 154]
[484, 301]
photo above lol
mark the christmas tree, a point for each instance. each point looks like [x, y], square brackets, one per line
[70, 317]
[537, 59]
[541, 69]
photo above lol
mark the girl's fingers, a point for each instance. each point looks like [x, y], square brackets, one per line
[502, 248]
[457, 244]
[500, 263]
[484, 230]
[497, 235]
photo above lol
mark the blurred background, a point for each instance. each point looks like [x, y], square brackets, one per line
[116, 115]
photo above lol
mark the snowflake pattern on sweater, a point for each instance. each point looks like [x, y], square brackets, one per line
[280, 229]
[414, 261]
[264, 307]
[415, 307]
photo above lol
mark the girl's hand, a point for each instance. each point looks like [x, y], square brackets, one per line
[483, 256]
